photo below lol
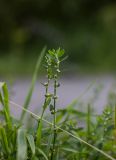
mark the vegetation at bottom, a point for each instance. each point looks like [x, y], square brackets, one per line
[64, 134]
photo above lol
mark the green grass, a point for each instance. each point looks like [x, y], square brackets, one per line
[58, 136]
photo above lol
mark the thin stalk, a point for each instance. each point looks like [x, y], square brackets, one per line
[34, 78]
[40, 121]
[115, 123]
[54, 121]
[88, 121]
[115, 118]
[46, 92]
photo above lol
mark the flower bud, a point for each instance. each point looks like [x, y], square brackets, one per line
[58, 70]
[58, 85]
[46, 84]
[55, 76]
[55, 97]
[52, 112]
[48, 95]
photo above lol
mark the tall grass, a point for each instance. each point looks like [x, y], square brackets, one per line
[61, 138]
[34, 78]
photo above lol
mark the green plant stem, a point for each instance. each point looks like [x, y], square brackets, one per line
[54, 121]
[40, 121]
[46, 92]
[114, 125]
[115, 117]
[88, 121]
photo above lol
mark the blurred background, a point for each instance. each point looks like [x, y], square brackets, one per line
[86, 29]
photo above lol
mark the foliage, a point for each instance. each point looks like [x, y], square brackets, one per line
[59, 136]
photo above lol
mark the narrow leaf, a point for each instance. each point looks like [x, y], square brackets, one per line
[47, 103]
[28, 99]
[39, 132]
[4, 99]
[60, 52]
[42, 153]
[31, 143]
[21, 145]
[69, 149]
[4, 140]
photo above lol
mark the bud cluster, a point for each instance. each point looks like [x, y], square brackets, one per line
[52, 65]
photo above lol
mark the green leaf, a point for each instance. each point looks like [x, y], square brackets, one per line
[4, 99]
[39, 132]
[60, 52]
[51, 52]
[64, 58]
[115, 117]
[42, 153]
[4, 140]
[34, 158]
[48, 100]
[1, 85]
[69, 149]
[31, 143]
[21, 145]
[58, 154]
[50, 138]
[1, 99]
[88, 121]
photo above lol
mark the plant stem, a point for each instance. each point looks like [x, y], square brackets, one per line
[115, 123]
[88, 121]
[54, 121]
[46, 92]
[40, 121]
[115, 117]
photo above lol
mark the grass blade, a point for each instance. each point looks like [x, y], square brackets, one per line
[68, 149]
[88, 121]
[115, 117]
[39, 133]
[49, 142]
[28, 99]
[4, 140]
[42, 153]
[31, 143]
[21, 145]
[4, 99]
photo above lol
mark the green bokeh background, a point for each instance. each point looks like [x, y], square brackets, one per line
[86, 29]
